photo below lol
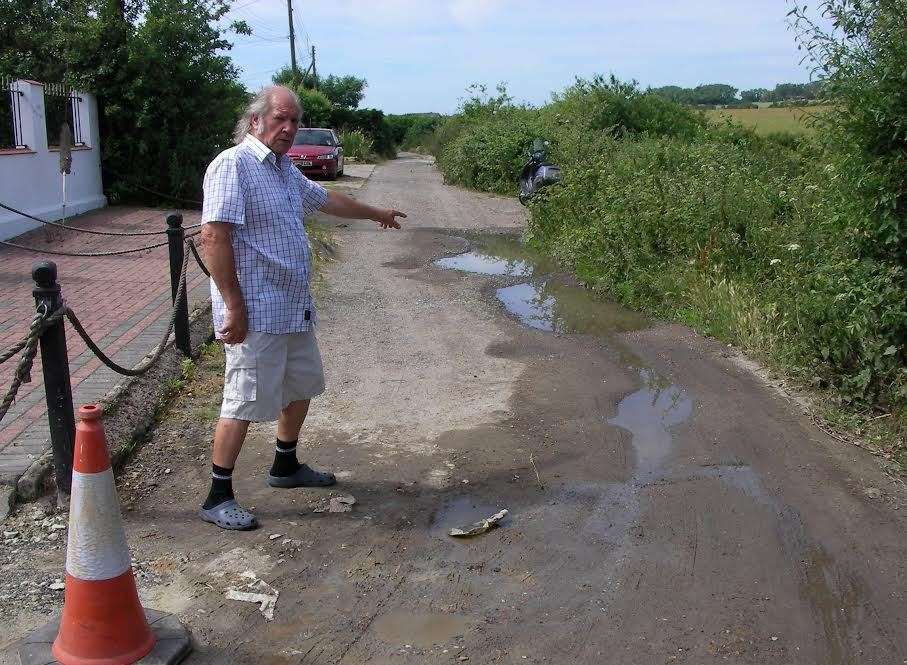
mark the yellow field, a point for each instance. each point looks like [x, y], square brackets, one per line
[766, 121]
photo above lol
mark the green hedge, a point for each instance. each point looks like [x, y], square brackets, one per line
[755, 240]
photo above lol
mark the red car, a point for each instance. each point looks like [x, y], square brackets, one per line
[317, 152]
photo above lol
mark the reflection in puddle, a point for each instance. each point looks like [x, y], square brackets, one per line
[484, 264]
[421, 630]
[648, 414]
[557, 307]
[498, 255]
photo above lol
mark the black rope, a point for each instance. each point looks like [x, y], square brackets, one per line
[50, 251]
[75, 228]
[198, 258]
[89, 254]
[92, 231]
[148, 364]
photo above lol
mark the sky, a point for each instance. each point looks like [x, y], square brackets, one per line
[420, 55]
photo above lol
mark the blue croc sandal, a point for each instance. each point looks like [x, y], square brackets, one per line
[229, 515]
[305, 476]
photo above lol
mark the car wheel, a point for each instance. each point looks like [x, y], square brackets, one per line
[340, 170]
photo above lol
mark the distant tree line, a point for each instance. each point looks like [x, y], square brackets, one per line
[723, 94]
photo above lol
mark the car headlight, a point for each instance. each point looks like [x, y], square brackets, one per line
[330, 155]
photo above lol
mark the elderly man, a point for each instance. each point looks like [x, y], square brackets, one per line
[260, 263]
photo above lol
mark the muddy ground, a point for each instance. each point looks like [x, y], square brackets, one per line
[665, 505]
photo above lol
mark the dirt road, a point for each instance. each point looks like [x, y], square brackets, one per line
[665, 505]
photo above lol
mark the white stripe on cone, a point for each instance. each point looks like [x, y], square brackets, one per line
[97, 547]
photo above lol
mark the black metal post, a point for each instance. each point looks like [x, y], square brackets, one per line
[176, 236]
[55, 364]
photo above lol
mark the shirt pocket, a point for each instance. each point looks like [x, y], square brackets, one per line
[241, 377]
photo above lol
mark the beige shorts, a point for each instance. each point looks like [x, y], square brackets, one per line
[266, 372]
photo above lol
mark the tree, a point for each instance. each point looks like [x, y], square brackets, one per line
[343, 91]
[714, 93]
[316, 107]
[674, 93]
[755, 95]
[168, 95]
[861, 63]
[293, 79]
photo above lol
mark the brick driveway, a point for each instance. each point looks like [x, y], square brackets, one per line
[123, 302]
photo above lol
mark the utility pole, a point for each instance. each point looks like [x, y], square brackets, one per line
[292, 38]
[314, 70]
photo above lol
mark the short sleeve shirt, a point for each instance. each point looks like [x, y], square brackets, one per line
[266, 199]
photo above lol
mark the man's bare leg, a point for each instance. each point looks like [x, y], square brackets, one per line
[286, 470]
[228, 439]
[291, 419]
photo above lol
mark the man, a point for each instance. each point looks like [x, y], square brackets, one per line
[258, 255]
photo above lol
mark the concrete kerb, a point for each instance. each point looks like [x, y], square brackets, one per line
[127, 417]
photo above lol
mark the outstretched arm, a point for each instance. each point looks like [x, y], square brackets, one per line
[341, 205]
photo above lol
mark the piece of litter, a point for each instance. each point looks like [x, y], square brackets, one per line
[479, 527]
[257, 591]
[338, 504]
[274, 536]
[57, 585]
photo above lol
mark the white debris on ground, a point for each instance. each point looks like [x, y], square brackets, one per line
[256, 591]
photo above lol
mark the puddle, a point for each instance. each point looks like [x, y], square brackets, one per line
[462, 511]
[419, 630]
[484, 264]
[741, 478]
[563, 308]
[648, 414]
[498, 255]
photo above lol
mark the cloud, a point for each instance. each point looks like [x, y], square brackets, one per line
[471, 13]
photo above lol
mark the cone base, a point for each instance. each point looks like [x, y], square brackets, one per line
[103, 623]
[172, 644]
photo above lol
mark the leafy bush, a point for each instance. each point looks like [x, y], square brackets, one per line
[371, 122]
[757, 240]
[412, 129]
[356, 145]
[620, 108]
[316, 107]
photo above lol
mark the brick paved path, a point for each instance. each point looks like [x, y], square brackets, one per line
[123, 302]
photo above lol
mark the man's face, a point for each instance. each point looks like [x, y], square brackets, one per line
[277, 128]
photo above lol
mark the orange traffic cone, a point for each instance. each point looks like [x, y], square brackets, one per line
[103, 622]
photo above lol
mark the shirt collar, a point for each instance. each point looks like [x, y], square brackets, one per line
[263, 153]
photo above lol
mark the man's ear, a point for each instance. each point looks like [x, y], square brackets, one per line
[254, 121]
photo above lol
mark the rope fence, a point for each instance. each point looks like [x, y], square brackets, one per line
[89, 231]
[46, 332]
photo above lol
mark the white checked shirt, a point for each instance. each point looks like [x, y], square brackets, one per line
[266, 198]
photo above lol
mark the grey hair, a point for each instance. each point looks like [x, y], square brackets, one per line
[258, 107]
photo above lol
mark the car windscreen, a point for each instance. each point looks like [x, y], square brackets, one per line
[314, 137]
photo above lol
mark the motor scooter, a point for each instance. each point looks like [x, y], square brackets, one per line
[538, 172]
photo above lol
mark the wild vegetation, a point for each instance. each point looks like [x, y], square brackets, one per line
[791, 247]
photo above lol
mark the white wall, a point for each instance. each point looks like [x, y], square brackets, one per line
[30, 178]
